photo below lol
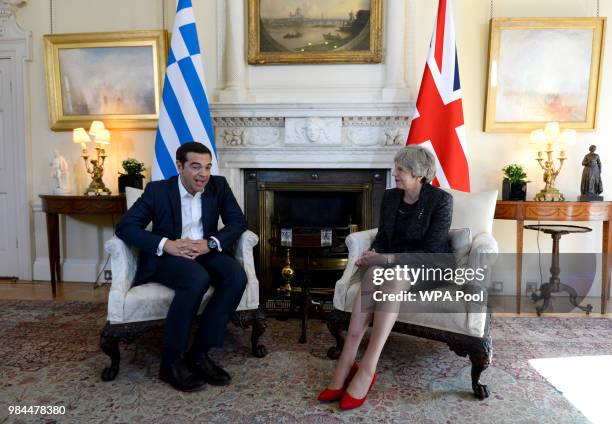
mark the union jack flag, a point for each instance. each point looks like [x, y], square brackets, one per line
[438, 122]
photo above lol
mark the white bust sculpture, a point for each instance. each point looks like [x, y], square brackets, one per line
[59, 172]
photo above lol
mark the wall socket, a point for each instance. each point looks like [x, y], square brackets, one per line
[496, 287]
[108, 274]
[531, 287]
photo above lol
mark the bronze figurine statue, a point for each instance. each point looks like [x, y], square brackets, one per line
[591, 186]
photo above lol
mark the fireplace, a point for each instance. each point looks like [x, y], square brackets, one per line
[308, 201]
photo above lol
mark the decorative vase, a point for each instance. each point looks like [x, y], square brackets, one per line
[130, 181]
[514, 191]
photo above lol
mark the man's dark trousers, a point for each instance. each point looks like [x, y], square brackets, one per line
[190, 279]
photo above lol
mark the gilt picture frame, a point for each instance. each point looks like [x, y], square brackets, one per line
[314, 31]
[542, 70]
[115, 77]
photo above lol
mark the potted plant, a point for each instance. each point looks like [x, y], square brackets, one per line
[133, 174]
[514, 186]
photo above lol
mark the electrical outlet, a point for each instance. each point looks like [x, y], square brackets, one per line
[108, 274]
[496, 287]
[531, 287]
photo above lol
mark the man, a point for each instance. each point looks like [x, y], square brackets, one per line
[185, 252]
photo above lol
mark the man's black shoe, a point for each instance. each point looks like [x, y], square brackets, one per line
[178, 376]
[203, 367]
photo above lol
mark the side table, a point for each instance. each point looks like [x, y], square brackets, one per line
[554, 284]
[54, 205]
[522, 211]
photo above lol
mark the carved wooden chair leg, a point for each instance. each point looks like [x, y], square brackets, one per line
[480, 356]
[260, 323]
[336, 322]
[257, 319]
[109, 342]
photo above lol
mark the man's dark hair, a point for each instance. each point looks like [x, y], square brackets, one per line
[191, 147]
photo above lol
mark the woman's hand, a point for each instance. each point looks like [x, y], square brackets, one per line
[363, 260]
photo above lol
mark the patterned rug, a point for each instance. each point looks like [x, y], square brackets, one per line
[50, 356]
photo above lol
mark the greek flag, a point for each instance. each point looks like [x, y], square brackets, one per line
[184, 113]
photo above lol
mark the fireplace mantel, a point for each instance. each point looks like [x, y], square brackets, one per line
[307, 136]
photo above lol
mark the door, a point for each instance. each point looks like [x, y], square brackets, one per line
[9, 258]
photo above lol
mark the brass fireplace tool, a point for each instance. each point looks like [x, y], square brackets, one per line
[287, 273]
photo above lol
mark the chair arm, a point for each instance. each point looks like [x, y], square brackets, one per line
[357, 243]
[123, 264]
[243, 253]
[483, 252]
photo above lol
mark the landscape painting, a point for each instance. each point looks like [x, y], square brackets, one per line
[314, 31]
[115, 77]
[543, 70]
[96, 81]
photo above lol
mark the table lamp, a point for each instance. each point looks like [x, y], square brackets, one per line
[549, 140]
[101, 137]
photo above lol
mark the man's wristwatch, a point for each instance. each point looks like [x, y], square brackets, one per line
[212, 244]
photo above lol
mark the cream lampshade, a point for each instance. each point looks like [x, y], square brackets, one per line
[96, 127]
[103, 137]
[79, 136]
[552, 130]
[537, 137]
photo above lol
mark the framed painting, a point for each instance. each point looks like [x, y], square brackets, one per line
[543, 70]
[315, 31]
[115, 77]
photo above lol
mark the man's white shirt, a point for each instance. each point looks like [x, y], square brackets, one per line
[191, 218]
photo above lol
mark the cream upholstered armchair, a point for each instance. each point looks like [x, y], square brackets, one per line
[134, 310]
[465, 328]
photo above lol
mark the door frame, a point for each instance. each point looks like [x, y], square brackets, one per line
[16, 46]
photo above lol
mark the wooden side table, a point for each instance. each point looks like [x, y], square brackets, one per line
[54, 205]
[560, 211]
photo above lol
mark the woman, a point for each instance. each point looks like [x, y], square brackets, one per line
[414, 218]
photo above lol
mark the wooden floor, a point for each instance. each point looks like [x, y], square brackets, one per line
[41, 290]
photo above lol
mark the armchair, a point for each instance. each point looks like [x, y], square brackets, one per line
[465, 331]
[135, 310]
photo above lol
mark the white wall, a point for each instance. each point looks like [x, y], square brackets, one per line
[487, 154]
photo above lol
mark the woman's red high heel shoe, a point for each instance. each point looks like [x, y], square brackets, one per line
[330, 395]
[349, 402]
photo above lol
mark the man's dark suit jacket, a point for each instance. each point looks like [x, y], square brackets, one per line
[429, 229]
[161, 203]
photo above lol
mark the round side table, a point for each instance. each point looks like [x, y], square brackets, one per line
[554, 284]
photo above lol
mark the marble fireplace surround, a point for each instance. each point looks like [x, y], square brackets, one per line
[307, 136]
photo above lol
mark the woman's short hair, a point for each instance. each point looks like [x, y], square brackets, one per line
[418, 160]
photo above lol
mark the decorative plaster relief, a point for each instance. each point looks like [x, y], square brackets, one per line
[395, 136]
[8, 25]
[241, 131]
[234, 136]
[265, 136]
[364, 136]
[249, 122]
[375, 121]
[376, 130]
[311, 130]
[14, 4]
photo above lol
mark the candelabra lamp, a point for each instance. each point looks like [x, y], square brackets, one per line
[549, 141]
[95, 165]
